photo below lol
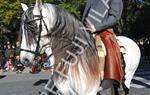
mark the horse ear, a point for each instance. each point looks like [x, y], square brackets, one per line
[39, 4]
[24, 6]
[37, 7]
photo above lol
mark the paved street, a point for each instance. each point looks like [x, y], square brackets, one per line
[142, 76]
[31, 84]
[141, 81]
[23, 84]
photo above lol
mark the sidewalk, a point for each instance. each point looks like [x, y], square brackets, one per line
[26, 70]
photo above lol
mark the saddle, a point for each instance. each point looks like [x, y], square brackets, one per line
[101, 50]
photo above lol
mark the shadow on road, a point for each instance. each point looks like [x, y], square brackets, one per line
[142, 75]
[140, 83]
[2, 76]
[40, 82]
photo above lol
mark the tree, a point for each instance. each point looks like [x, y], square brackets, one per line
[73, 6]
[11, 11]
[141, 27]
[9, 17]
[132, 15]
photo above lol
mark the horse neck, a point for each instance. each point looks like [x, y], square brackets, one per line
[64, 32]
[49, 15]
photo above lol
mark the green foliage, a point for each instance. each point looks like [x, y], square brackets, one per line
[131, 18]
[140, 27]
[11, 11]
[134, 14]
[73, 6]
[10, 18]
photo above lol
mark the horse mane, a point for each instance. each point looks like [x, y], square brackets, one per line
[67, 26]
[29, 28]
[65, 29]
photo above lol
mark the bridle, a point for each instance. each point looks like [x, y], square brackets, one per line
[40, 18]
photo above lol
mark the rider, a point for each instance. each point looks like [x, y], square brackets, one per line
[99, 17]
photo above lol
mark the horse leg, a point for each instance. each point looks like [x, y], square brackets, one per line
[123, 89]
[50, 88]
[109, 83]
[98, 93]
[119, 90]
[116, 89]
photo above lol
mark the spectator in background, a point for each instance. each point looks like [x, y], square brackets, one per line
[3, 62]
[9, 52]
[36, 65]
[16, 54]
[17, 49]
[0, 67]
[2, 59]
[19, 66]
[9, 65]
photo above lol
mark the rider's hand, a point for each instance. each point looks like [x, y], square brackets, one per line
[91, 28]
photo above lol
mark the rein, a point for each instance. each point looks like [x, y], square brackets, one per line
[39, 35]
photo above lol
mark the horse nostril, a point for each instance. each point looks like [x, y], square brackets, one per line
[26, 60]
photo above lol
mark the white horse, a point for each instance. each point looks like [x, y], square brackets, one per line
[49, 28]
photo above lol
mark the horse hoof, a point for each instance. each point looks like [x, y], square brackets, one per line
[121, 92]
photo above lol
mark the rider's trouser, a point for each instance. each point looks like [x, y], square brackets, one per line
[113, 61]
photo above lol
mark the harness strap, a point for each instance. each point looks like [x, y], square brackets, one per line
[122, 48]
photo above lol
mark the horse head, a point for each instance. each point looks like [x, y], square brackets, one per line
[35, 25]
[47, 27]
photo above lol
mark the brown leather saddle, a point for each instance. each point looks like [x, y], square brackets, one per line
[101, 50]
